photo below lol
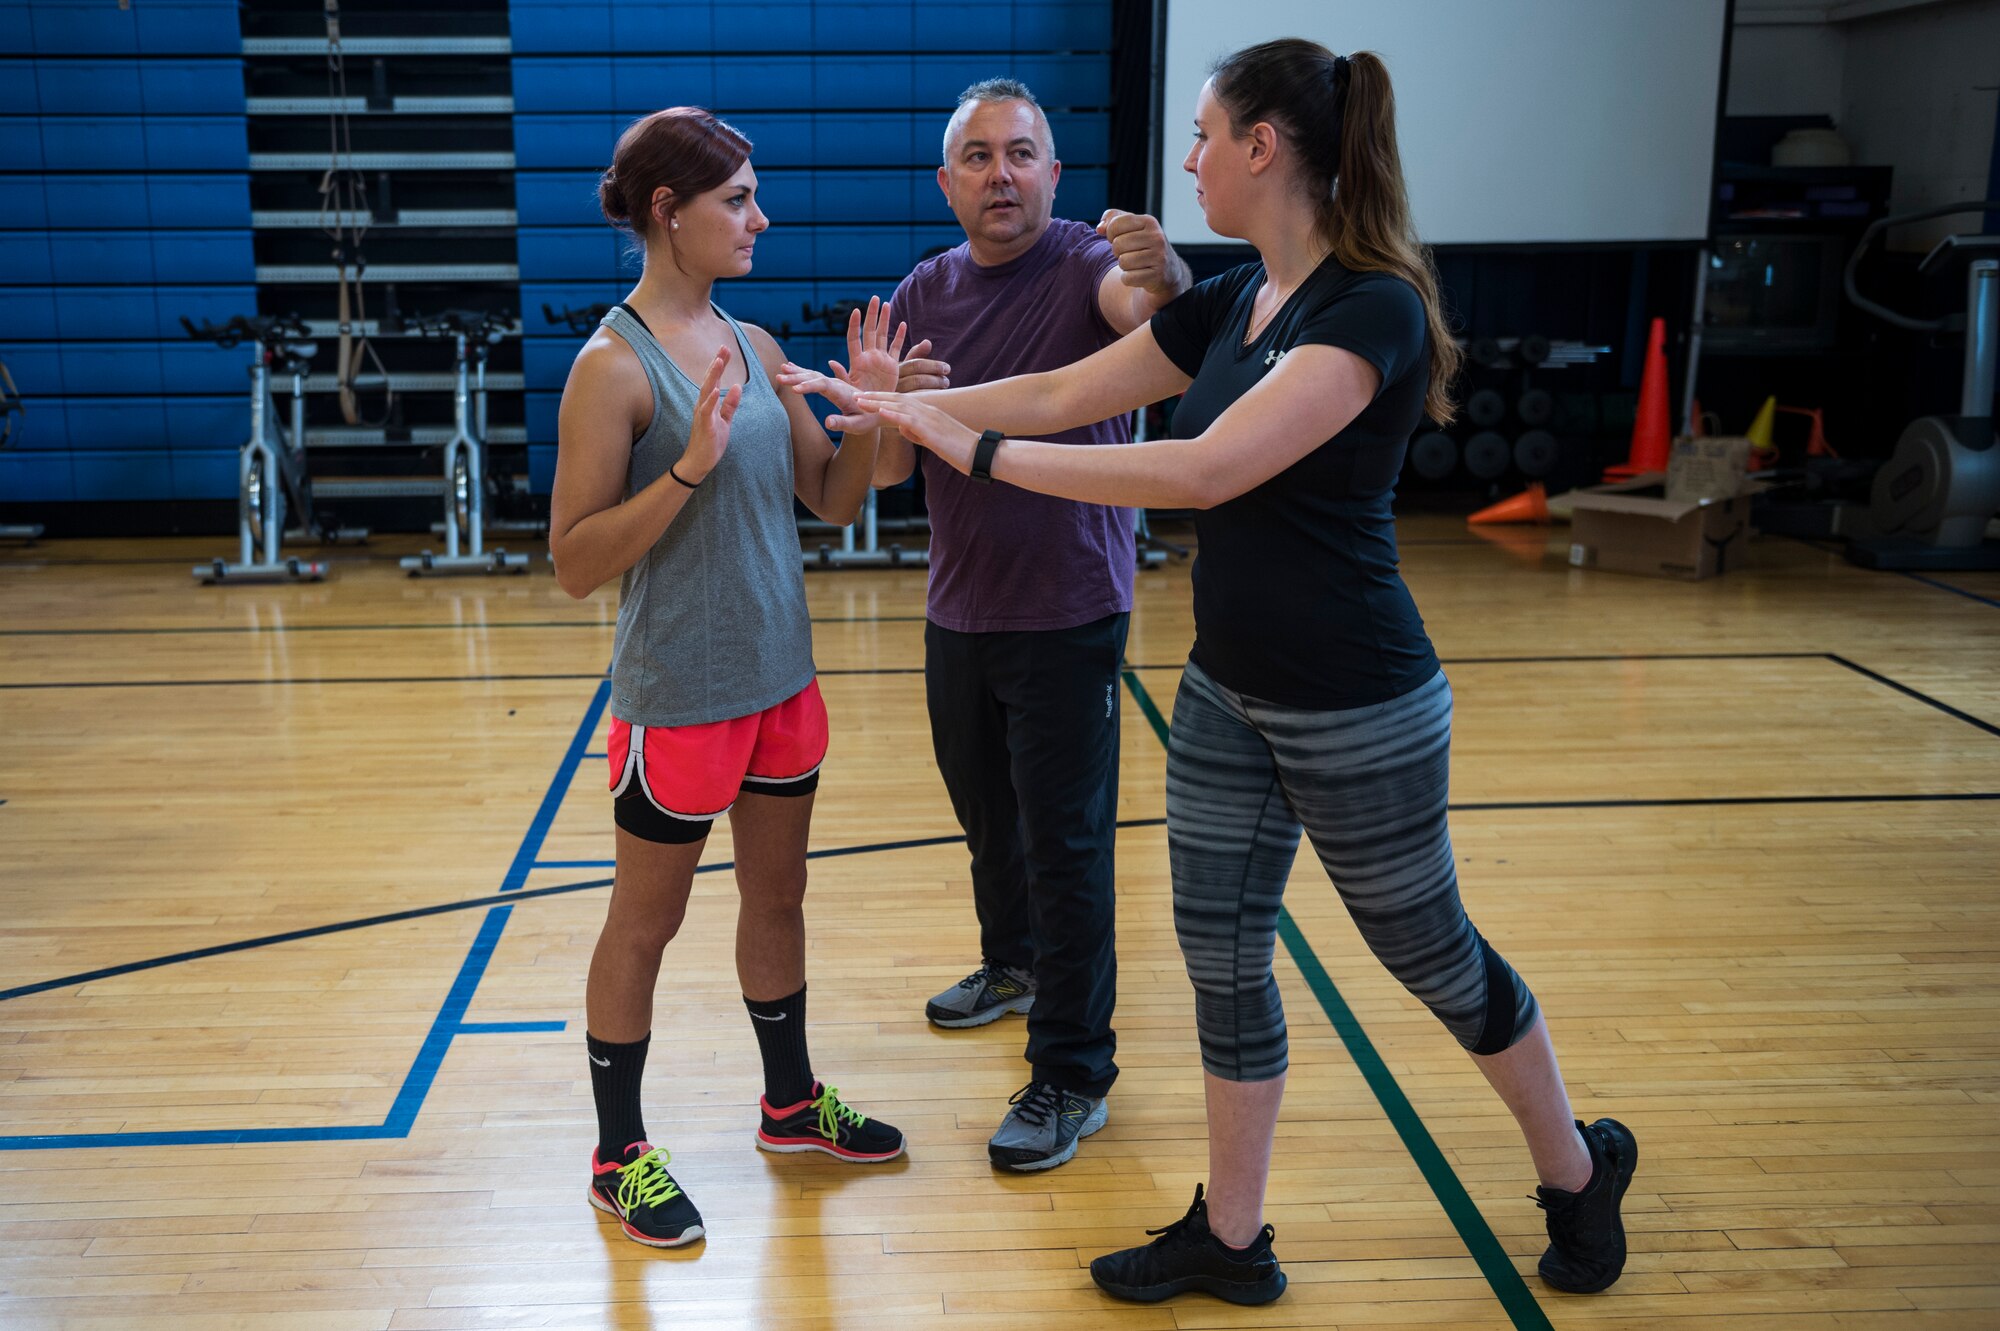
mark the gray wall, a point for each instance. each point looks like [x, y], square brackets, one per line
[1909, 84]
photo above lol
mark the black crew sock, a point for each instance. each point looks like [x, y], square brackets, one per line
[781, 1039]
[615, 1070]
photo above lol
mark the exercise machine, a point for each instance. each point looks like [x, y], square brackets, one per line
[473, 333]
[12, 417]
[1933, 498]
[271, 466]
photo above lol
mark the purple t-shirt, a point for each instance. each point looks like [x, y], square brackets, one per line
[1004, 558]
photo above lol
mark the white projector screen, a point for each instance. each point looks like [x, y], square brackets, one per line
[1520, 121]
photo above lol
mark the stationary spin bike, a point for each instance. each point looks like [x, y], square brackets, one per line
[1936, 493]
[271, 466]
[473, 333]
[12, 413]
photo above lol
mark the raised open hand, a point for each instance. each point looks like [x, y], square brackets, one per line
[875, 359]
[871, 357]
[713, 411]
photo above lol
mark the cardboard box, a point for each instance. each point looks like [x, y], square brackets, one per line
[1710, 467]
[1634, 528]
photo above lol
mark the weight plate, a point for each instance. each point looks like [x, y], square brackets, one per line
[1487, 454]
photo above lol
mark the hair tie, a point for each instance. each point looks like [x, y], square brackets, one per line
[1342, 77]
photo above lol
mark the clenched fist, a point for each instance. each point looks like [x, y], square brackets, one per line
[1144, 258]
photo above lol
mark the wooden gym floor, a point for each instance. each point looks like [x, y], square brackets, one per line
[299, 885]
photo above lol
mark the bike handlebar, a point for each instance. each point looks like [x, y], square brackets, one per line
[582, 319]
[481, 325]
[269, 329]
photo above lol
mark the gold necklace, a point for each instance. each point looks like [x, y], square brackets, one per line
[1258, 326]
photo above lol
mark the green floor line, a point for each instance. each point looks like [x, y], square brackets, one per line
[1486, 1251]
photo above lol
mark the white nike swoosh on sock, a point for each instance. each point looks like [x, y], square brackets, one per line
[601, 1062]
[761, 1017]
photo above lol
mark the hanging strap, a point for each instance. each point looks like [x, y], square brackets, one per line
[343, 195]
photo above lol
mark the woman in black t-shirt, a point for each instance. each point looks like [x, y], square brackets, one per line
[1312, 696]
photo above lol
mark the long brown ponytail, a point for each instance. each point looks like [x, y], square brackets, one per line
[1339, 115]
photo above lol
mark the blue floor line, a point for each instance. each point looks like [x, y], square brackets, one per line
[75, 1141]
[449, 1023]
[1947, 587]
[531, 844]
[423, 1071]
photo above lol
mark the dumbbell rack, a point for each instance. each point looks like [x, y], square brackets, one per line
[1487, 454]
[429, 108]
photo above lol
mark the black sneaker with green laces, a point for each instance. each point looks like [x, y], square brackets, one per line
[1586, 1250]
[823, 1123]
[1186, 1258]
[649, 1205]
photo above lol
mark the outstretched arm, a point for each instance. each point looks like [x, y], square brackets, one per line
[1314, 393]
[1130, 373]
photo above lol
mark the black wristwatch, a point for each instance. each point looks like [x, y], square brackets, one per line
[982, 456]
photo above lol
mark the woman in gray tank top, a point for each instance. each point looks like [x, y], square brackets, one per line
[676, 473]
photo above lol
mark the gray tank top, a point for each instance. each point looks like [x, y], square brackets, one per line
[712, 621]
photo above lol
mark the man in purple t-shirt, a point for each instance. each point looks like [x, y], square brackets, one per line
[1029, 598]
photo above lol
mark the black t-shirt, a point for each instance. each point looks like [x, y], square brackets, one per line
[1296, 595]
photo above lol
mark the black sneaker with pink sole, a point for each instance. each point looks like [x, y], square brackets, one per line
[823, 1123]
[648, 1204]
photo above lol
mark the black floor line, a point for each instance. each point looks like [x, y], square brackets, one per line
[266, 629]
[448, 907]
[1920, 696]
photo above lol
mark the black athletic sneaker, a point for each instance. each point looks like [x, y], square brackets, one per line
[823, 1123]
[1186, 1258]
[1586, 1236]
[643, 1195]
[988, 994]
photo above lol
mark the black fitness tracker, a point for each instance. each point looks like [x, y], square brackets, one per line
[982, 456]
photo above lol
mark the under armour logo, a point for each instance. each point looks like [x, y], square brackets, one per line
[1272, 358]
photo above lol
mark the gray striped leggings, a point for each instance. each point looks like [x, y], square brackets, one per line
[1369, 786]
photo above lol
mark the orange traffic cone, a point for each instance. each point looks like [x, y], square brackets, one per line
[1816, 444]
[1531, 505]
[1651, 430]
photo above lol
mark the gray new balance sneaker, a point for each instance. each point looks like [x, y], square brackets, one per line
[1043, 1127]
[988, 994]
